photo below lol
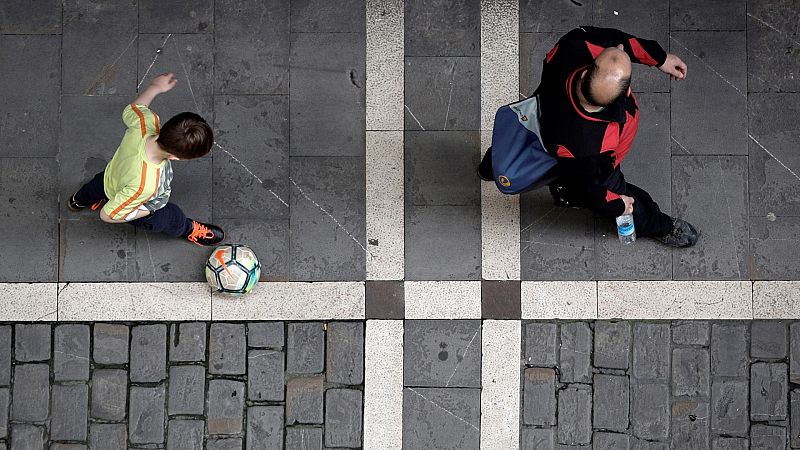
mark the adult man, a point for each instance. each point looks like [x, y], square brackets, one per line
[589, 118]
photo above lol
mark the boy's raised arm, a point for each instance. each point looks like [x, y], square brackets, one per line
[159, 85]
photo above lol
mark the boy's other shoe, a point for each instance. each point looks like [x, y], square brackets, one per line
[683, 234]
[73, 205]
[205, 234]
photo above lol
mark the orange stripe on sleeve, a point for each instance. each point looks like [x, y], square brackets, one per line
[138, 191]
[141, 119]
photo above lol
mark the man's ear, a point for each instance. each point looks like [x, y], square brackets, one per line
[173, 158]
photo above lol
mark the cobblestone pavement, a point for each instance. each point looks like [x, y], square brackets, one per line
[191, 385]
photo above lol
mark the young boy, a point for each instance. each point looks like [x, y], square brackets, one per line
[135, 185]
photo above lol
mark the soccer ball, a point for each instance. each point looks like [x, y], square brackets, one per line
[233, 269]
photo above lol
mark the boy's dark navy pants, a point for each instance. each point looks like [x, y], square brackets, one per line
[168, 220]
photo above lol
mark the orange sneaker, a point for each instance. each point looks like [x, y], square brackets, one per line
[205, 234]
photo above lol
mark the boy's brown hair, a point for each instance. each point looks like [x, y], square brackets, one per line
[187, 136]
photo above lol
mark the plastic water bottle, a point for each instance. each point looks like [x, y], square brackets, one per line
[625, 229]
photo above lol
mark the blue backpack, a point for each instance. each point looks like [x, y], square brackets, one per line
[519, 161]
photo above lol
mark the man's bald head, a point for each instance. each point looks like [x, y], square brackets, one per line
[608, 78]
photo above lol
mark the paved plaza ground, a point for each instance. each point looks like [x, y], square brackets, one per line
[403, 303]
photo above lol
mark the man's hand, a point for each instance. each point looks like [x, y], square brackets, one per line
[674, 67]
[628, 204]
[164, 82]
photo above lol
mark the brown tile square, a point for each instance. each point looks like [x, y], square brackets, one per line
[385, 300]
[500, 299]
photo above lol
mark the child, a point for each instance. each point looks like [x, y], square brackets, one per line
[135, 185]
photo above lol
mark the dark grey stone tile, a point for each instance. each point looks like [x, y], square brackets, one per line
[442, 353]
[225, 407]
[29, 214]
[690, 332]
[265, 375]
[768, 339]
[794, 416]
[541, 343]
[501, 299]
[328, 80]
[610, 441]
[99, 47]
[30, 393]
[146, 414]
[385, 299]
[185, 435]
[305, 347]
[440, 168]
[711, 194]
[5, 402]
[533, 47]
[641, 444]
[646, 20]
[59, 446]
[31, 342]
[6, 348]
[27, 437]
[320, 16]
[729, 407]
[651, 356]
[772, 46]
[108, 436]
[227, 349]
[187, 342]
[575, 353]
[441, 28]
[612, 344]
[650, 412]
[443, 243]
[71, 353]
[265, 334]
[611, 401]
[176, 16]
[320, 248]
[224, 444]
[710, 15]
[690, 372]
[23, 17]
[109, 394]
[187, 388]
[773, 188]
[689, 428]
[537, 438]
[191, 58]
[303, 438]
[343, 418]
[768, 391]
[251, 46]
[556, 243]
[255, 131]
[774, 247]
[724, 443]
[97, 251]
[447, 419]
[539, 397]
[148, 353]
[265, 427]
[91, 131]
[30, 105]
[716, 62]
[269, 239]
[344, 363]
[110, 343]
[767, 437]
[729, 349]
[70, 412]
[575, 415]
[561, 15]
[304, 400]
[646, 259]
[442, 93]
[794, 353]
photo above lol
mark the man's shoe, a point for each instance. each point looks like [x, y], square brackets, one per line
[683, 234]
[482, 176]
[205, 234]
[73, 205]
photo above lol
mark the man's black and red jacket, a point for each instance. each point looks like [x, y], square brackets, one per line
[590, 146]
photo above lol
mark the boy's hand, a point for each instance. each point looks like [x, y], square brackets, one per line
[164, 82]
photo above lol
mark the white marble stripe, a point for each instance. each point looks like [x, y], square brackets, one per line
[500, 384]
[499, 86]
[23, 302]
[133, 301]
[293, 301]
[443, 299]
[776, 299]
[385, 213]
[559, 299]
[385, 206]
[383, 385]
[675, 299]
